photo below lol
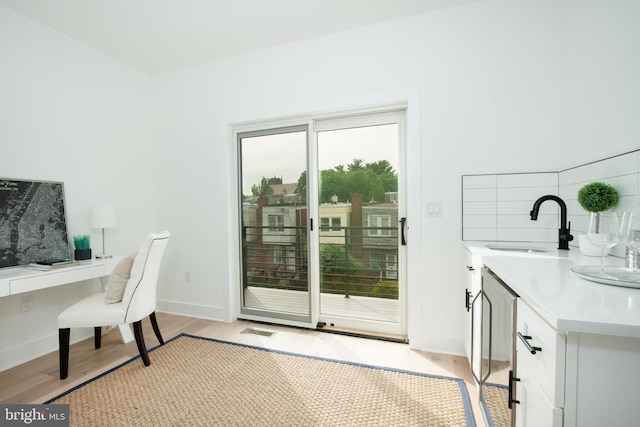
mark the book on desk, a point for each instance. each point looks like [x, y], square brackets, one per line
[53, 264]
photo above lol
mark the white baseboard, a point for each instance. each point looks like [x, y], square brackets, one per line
[34, 348]
[199, 311]
[450, 345]
[37, 347]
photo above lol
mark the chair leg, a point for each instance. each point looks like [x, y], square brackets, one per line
[156, 329]
[137, 331]
[97, 337]
[63, 350]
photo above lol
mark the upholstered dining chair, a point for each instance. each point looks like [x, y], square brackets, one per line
[129, 297]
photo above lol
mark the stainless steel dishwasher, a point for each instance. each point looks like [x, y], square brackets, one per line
[497, 350]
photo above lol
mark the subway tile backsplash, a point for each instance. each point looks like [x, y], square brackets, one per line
[496, 207]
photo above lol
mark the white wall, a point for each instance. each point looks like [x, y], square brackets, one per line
[494, 80]
[70, 114]
[501, 87]
[486, 76]
[600, 88]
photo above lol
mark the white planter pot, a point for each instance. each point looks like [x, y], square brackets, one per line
[587, 248]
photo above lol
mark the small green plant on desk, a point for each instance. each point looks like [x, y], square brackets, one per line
[82, 245]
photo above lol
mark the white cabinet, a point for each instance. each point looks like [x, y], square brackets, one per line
[574, 379]
[587, 372]
[534, 408]
[540, 364]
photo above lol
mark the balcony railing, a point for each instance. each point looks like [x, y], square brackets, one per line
[360, 261]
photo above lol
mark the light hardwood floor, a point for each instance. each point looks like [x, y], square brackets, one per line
[38, 380]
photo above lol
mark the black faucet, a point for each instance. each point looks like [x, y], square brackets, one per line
[564, 233]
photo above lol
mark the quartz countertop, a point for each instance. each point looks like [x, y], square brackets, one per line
[544, 280]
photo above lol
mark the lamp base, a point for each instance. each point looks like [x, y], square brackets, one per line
[104, 255]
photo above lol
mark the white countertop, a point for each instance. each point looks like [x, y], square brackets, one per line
[566, 301]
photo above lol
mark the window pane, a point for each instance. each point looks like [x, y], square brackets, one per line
[374, 261]
[274, 223]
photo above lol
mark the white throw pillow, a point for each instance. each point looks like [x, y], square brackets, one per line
[118, 280]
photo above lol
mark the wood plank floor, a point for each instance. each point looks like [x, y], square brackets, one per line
[38, 380]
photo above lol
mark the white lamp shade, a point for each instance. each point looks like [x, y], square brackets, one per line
[102, 217]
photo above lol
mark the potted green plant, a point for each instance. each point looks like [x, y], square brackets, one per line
[82, 247]
[595, 197]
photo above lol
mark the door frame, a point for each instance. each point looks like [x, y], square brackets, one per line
[409, 98]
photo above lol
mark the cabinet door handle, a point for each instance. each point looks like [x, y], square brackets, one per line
[470, 268]
[511, 388]
[525, 339]
[467, 297]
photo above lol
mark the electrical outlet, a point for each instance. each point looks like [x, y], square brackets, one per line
[187, 276]
[28, 303]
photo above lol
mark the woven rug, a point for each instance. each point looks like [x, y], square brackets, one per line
[496, 397]
[195, 381]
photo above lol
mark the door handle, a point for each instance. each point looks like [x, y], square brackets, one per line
[403, 241]
[511, 390]
[525, 340]
[467, 297]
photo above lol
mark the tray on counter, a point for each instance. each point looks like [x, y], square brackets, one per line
[616, 276]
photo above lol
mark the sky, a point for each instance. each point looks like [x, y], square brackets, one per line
[284, 155]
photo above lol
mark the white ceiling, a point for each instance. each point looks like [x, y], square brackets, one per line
[157, 36]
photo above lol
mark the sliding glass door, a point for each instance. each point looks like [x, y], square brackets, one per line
[360, 207]
[274, 231]
[322, 223]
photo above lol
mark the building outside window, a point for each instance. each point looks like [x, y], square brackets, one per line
[381, 223]
[276, 223]
[277, 255]
[374, 261]
[335, 223]
[392, 266]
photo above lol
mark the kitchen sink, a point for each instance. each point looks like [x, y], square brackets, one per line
[515, 248]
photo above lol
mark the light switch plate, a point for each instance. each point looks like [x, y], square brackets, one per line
[434, 209]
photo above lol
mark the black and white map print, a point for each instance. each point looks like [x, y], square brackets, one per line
[32, 222]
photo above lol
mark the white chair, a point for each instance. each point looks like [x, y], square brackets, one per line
[138, 301]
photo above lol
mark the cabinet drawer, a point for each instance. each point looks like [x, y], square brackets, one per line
[547, 365]
[534, 408]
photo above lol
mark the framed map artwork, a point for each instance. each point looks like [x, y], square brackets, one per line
[33, 223]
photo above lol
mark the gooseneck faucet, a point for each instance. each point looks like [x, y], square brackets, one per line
[564, 233]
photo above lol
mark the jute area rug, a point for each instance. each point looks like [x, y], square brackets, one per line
[495, 397]
[195, 381]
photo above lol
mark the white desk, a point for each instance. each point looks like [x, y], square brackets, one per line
[18, 280]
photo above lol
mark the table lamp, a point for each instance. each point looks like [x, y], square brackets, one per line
[103, 217]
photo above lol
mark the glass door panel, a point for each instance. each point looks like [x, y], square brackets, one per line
[359, 234]
[274, 235]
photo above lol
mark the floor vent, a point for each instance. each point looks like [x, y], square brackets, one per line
[253, 331]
